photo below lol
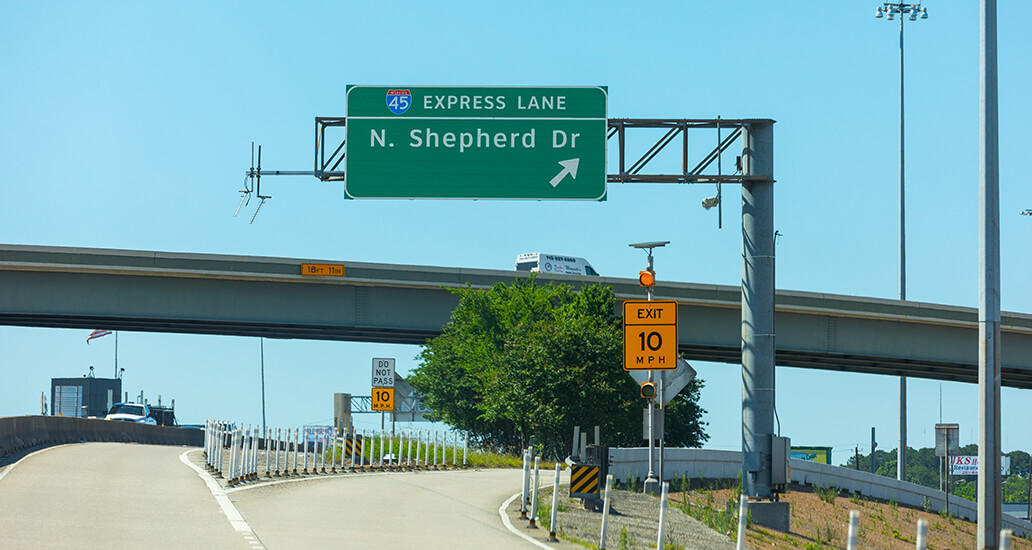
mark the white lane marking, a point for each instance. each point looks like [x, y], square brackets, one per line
[232, 514]
[7, 471]
[317, 477]
[508, 524]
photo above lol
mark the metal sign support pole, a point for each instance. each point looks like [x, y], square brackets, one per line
[757, 309]
[989, 495]
[651, 483]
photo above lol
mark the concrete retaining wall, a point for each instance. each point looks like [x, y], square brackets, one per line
[19, 433]
[711, 464]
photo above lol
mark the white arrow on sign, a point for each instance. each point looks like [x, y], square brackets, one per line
[569, 167]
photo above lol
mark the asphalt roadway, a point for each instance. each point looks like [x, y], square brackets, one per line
[108, 495]
[103, 495]
[457, 509]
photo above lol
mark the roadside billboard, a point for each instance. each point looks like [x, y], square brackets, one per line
[968, 465]
[813, 454]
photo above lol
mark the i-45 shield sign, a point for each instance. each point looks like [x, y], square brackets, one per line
[398, 101]
[383, 373]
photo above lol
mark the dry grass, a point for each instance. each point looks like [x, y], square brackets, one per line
[820, 524]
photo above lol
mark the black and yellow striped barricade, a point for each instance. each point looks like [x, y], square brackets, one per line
[350, 444]
[584, 481]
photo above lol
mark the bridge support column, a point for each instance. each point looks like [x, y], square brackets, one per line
[757, 309]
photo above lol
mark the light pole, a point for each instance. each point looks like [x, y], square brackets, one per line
[890, 10]
[651, 483]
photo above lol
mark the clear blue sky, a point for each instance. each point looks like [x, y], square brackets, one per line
[128, 125]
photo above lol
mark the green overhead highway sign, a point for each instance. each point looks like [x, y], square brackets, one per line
[475, 143]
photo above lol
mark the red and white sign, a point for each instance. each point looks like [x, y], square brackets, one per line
[968, 465]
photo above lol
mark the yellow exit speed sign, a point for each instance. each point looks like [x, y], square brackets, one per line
[650, 335]
[383, 399]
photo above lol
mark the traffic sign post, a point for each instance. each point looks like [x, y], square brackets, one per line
[650, 335]
[476, 143]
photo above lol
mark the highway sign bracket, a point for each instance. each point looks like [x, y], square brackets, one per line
[621, 134]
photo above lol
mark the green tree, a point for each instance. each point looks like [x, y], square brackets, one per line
[524, 360]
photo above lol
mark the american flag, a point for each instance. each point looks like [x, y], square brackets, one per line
[97, 334]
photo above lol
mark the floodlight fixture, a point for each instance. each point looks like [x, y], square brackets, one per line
[878, 13]
[650, 244]
[1027, 212]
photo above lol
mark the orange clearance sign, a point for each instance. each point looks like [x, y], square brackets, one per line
[323, 270]
[650, 335]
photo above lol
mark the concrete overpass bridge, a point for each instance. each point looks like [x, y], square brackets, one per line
[259, 296]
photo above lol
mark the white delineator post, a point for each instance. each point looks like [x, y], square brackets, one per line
[361, 455]
[533, 494]
[232, 451]
[1005, 539]
[662, 514]
[526, 482]
[278, 435]
[333, 455]
[922, 534]
[268, 454]
[455, 451]
[244, 440]
[465, 445]
[304, 446]
[854, 527]
[605, 512]
[320, 453]
[436, 463]
[419, 445]
[381, 448]
[254, 455]
[743, 516]
[555, 508]
[294, 441]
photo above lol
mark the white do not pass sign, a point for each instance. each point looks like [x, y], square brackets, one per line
[383, 372]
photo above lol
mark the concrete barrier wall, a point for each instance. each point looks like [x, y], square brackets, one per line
[19, 433]
[632, 463]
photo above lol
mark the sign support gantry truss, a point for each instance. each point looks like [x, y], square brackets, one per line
[674, 130]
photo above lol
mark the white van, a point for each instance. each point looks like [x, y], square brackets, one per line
[537, 262]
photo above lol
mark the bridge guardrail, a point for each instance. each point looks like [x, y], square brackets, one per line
[18, 433]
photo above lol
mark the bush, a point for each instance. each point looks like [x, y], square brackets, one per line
[827, 494]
